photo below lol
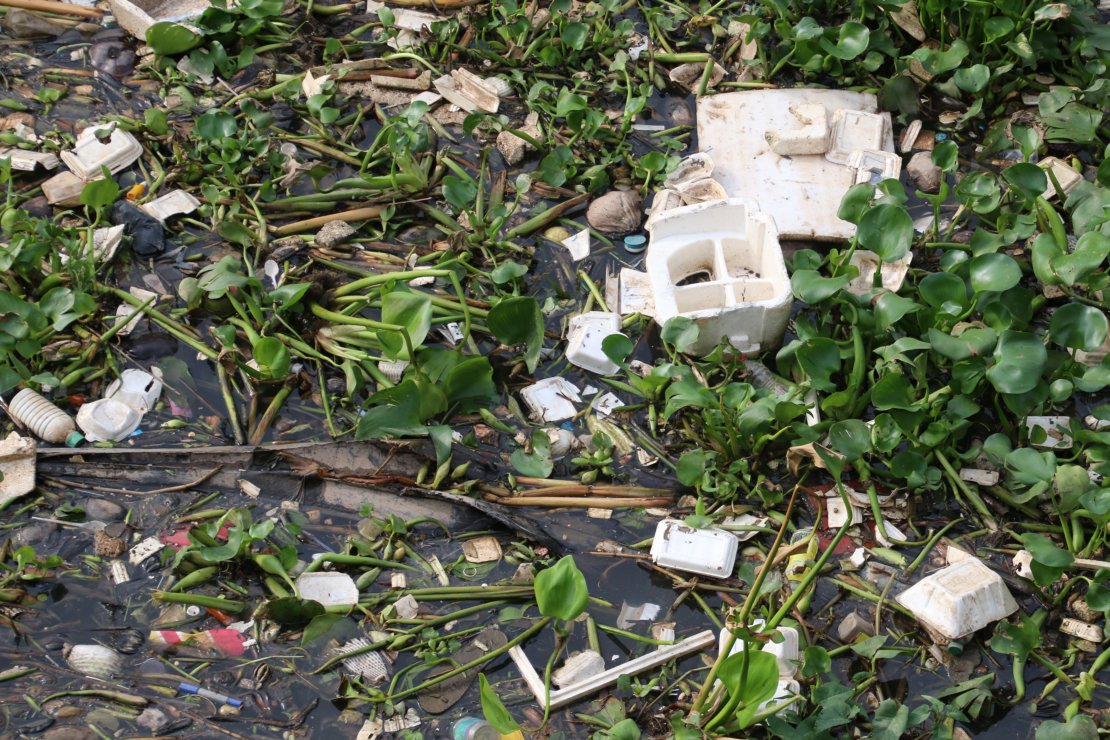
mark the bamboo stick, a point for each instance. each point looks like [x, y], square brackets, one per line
[52, 6]
[356, 214]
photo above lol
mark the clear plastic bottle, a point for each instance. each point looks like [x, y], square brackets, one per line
[45, 420]
[472, 728]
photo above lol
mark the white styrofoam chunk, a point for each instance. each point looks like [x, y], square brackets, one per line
[329, 589]
[174, 203]
[874, 166]
[551, 399]
[1065, 174]
[708, 552]
[854, 131]
[891, 274]
[578, 245]
[960, 599]
[585, 333]
[809, 133]
[786, 652]
[89, 154]
[720, 264]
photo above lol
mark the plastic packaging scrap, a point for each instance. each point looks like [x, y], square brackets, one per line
[468, 91]
[629, 614]
[551, 399]
[117, 150]
[481, 550]
[228, 643]
[1057, 435]
[17, 467]
[45, 420]
[585, 334]
[959, 600]
[371, 666]
[174, 203]
[708, 552]
[97, 661]
[891, 274]
[329, 589]
[190, 688]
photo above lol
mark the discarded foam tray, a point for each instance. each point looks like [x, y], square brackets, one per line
[708, 552]
[959, 600]
[174, 203]
[551, 399]
[585, 334]
[90, 153]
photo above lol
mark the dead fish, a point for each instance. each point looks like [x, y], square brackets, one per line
[97, 661]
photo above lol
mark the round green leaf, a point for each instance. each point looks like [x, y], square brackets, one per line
[887, 230]
[691, 467]
[1028, 179]
[168, 38]
[561, 590]
[617, 347]
[850, 43]
[972, 79]
[850, 438]
[811, 287]
[215, 125]
[994, 272]
[1078, 326]
[1019, 359]
[681, 332]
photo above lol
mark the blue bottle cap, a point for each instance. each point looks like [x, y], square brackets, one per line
[635, 243]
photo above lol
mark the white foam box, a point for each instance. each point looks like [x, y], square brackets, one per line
[585, 333]
[707, 552]
[959, 600]
[801, 193]
[787, 652]
[720, 264]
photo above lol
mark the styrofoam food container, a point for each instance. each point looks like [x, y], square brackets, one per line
[708, 552]
[585, 333]
[959, 600]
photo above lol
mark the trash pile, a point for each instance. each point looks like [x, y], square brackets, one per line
[441, 369]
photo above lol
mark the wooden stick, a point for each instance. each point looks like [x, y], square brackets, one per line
[357, 214]
[51, 6]
[581, 503]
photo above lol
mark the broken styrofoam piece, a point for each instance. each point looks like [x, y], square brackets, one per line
[106, 241]
[17, 467]
[708, 552]
[874, 166]
[108, 420]
[606, 404]
[749, 521]
[663, 201]
[174, 203]
[838, 514]
[854, 131]
[27, 161]
[720, 264]
[328, 589]
[807, 134]
[569, 694]
[786, 652]
[405, 19]
[959, 600]
[482, 550]
[803, 192]
[980, 477]
[136, 388]
[695, 167]
[1023, 564]
[63, 189]
[585, 334]
[896, 536]
[634, 293]
[909, 136]
[551, 399]
[1065, 175]
[1057, 429]
[468, 91]
[891, 274]
[578, 245]
[577, 668]
[1082, 630]
[137, 16]
[90, 154]
[701, 191]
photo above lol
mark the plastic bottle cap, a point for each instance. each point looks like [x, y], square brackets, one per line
[73, 439]
[956, 647]
[635, 243]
